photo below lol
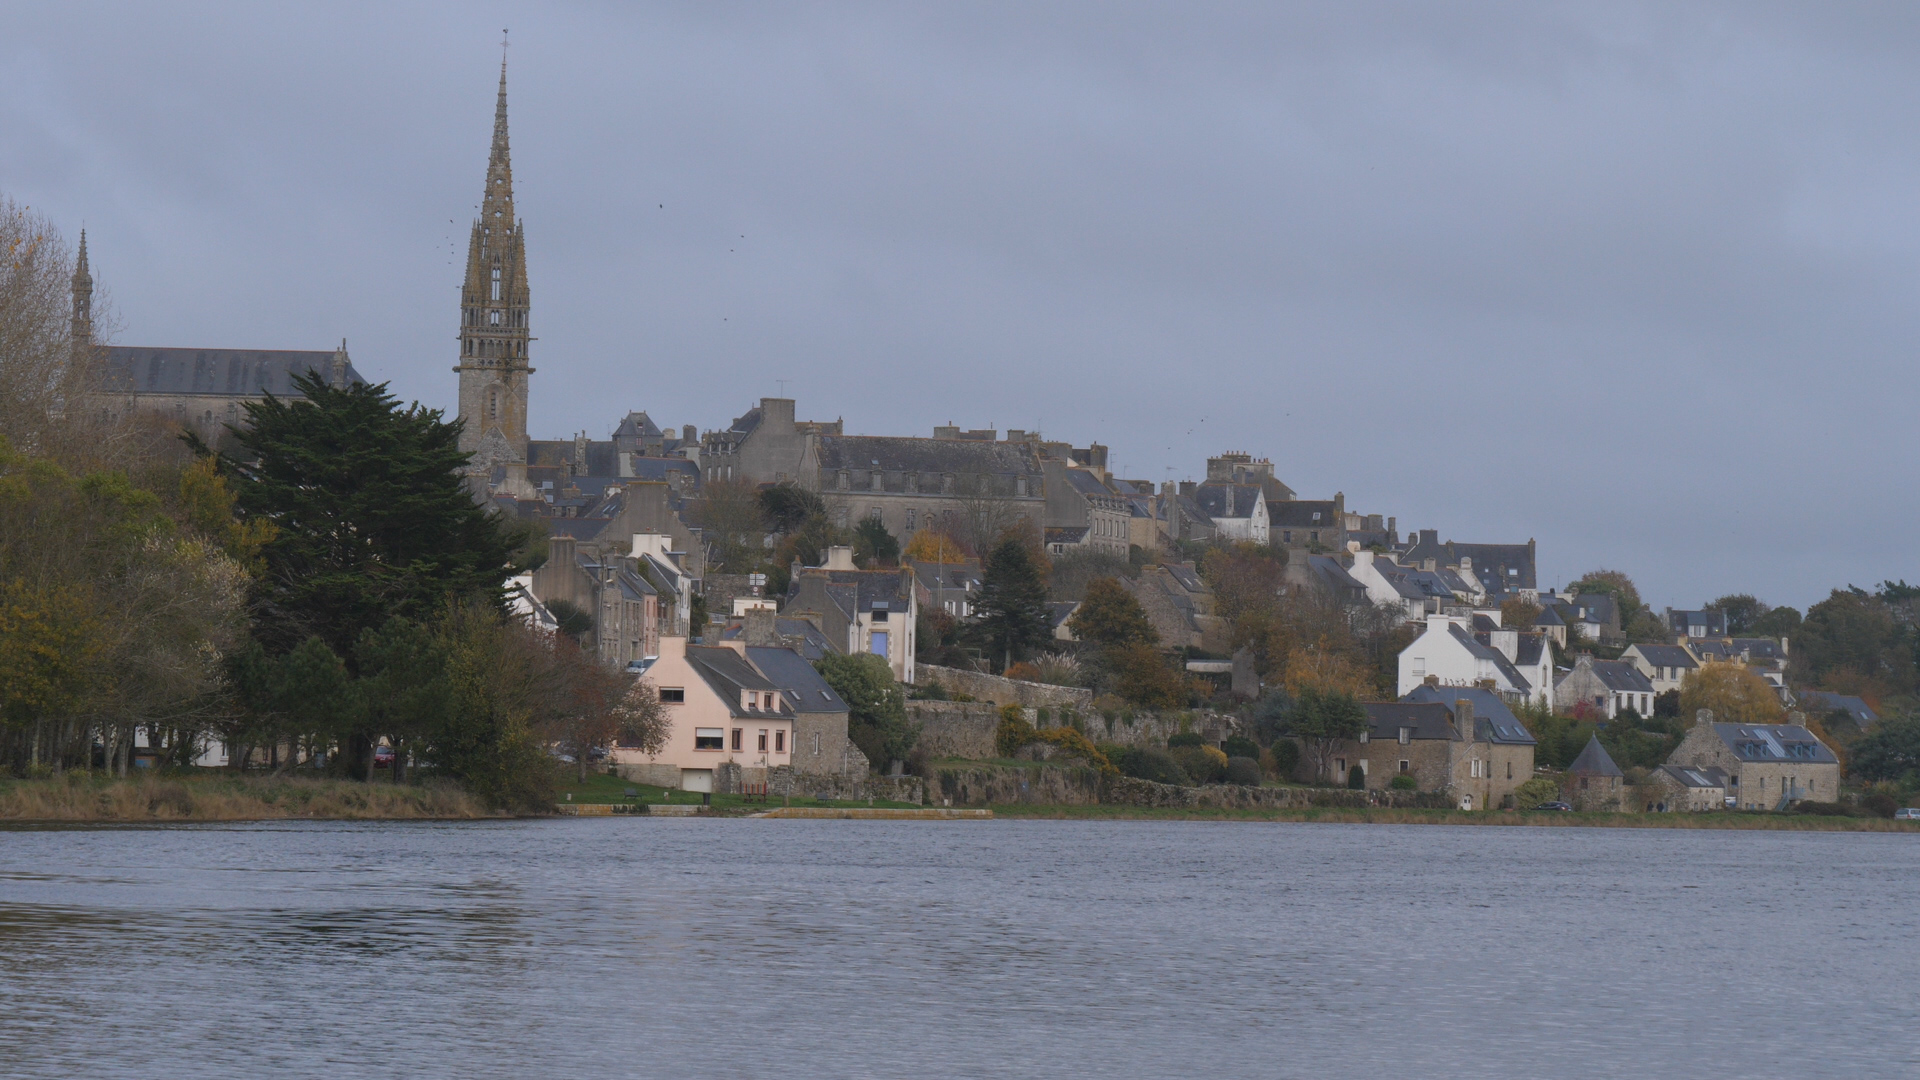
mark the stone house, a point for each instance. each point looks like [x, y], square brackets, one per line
[1238, 511]
[1180, 607]
[1313, 525]
[1593, 781]
[1685, 788]
[948, 587]
[765, 445]
[624, 608]
[1324, 573]
[1665, 666]
[1449, 655]
[968, 488]
[1238, 467]
[1078, 498]
[1767, 765]
[1608, 687]
[820, 743]
[721, 711]
[1445, 745]
[859, 611]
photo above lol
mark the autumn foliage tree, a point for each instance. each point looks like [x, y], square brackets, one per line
[1111, 617]
[1734, 693]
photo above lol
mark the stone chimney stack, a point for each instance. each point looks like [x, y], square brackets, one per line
[840, 557]
[760, 627]
[1703, 717]
[1463, 718]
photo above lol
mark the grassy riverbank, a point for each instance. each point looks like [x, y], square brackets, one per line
[1732, 819]
[606, 788]
[226, 797]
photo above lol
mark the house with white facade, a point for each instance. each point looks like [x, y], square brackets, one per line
[859, 611]
[1239, 511]
[1606, 687]
[1447, 654]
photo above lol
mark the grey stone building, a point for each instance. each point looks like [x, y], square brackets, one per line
[973, 490]
[765, 445]
[1593, 781]
[1767, 765]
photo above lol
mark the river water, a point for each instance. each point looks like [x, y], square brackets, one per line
[660, 948]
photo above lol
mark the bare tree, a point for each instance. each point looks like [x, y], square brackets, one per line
[52, 368]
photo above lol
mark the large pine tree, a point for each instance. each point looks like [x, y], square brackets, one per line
[1011, 613]
[371, 515]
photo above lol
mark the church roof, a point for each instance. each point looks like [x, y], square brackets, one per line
[1594, 761]
[234, 373]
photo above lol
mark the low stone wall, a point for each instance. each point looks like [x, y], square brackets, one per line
[1127, 791]
[978, 785]
[1153, 729]
[891, 788]
[1004, 691]
[641, 772]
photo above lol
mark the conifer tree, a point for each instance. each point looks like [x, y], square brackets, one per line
[1012, 611]
[371, 516]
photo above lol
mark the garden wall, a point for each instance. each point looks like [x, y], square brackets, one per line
[1004, 691]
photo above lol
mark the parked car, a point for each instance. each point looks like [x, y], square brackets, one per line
[1553, 806]
[382, 757]
[1907, 813]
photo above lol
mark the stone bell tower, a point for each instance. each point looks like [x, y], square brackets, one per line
[493, 364]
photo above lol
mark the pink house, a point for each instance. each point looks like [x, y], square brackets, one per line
[723, 710]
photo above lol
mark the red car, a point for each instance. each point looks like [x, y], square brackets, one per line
[382, 757]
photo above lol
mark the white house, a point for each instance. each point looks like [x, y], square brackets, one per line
[1239, 511]
[1448, 653]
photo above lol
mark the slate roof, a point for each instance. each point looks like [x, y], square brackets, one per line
[1826, 701]
[1227, 500]
[216, 372]
[1622, 676]
[1185, 575]
[1086, 483]
[856, 591]
[1299, 514]
[636, 425]
[1487, 652]
[1774, 742]
[792, 673]
[907, 454]
[1493, 721]
[1549, 616]
[1532, 648]
[1065, 534]
[947, 577]
[1694, 777]
[1429, 720]
[1507, 566]
[1715, 622]
[1759, 648]
[1059, 611]
[1666, 656]
[658, 468]
[1594, 761]
[1595, 608]
[729, 674]
[806, 637]
[1329, 568]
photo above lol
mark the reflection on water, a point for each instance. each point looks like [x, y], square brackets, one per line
[1009, 949]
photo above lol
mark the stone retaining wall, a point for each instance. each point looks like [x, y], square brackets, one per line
[1004, 691]
[955, 729]
[978, 785]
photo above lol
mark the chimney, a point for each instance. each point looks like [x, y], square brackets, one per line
[1433, 681]
[1463, 717]
[338, 379]
[839, 557]
[1703, 718]
[760, 628]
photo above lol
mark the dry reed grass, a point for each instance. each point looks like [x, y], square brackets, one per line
[79, 797]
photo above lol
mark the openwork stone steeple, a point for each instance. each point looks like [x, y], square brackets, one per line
[82, 297]
[493, 317]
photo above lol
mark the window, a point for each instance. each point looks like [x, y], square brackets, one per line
[496, 293]
[1406, 736]
[877, 643]
[909, 520]
[737, 732]
[1405, 765]
[708, 738]
[816, 742]
[1509, 770]
[779, 742]
[672, 695]
[879, 613]
[763, 740]
[1316, 513]
[493, 318]
[1419, 667]
[874, 512]
[1340, 766]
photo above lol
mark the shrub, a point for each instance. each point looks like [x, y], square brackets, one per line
[1286, 758]
[1148, 763]
[1824, 809]
[1881, 803]
[1244, 770]
[1357, 778]
[1042, 717]
[1014, 733]
[1403, 782]
[1185, 738]
[1204, 764]
[1241, 746]
[1534, 792]
[931, 691]
[1023, 671]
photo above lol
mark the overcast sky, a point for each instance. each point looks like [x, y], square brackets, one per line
[1636, 281]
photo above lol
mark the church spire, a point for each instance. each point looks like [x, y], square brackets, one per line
[494, 334]
[82, 296]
